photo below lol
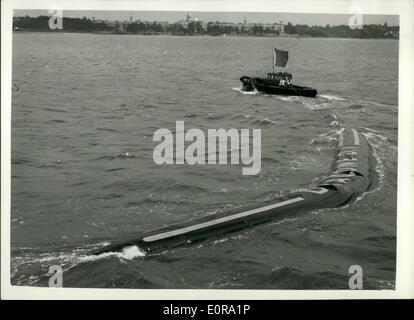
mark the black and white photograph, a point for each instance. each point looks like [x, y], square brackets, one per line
[204, 149]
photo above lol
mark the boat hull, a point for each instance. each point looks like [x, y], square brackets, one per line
[270, 87]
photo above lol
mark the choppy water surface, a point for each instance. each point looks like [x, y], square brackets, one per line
[83, 114]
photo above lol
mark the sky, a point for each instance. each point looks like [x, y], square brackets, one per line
[236, 17]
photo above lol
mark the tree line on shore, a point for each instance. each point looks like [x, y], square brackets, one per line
[344, 31]
[84, 24]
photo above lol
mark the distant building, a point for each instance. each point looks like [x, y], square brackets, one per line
[164, 24]
[189, 19]
[119, 26]
[277, 27]
[201, 26]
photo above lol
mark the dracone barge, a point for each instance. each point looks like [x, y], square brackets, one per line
[349, 176]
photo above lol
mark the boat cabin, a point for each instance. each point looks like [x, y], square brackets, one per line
[282, 78]
[279, 76]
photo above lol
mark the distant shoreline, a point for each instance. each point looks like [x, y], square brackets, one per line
[196, 35]
[190, 27]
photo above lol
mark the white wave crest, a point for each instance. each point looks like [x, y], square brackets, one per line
[69, 260]
[255, 92]
[266, 120]
[127, 253]
[330, 97]
[289, 98]
[317, 106]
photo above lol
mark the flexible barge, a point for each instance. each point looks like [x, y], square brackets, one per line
[349, 176]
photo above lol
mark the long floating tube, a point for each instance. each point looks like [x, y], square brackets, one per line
[348, 177]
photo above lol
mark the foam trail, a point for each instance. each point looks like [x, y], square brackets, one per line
[330, 97]
[255, 92]
[287, 98]
[127, 253]
[69, 260]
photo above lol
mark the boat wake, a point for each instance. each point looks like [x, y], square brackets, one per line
[249, 93]
[127, 253]
[322, 101]
[330, 97]
[24, 265]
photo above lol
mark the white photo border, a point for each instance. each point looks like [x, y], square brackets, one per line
[404, 286]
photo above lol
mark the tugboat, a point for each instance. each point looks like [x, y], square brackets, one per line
[279, 83]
